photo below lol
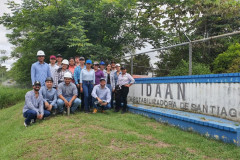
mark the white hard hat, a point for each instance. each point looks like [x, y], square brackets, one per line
[40, 53]
[67, 75]
[118, 65]
[65, 61]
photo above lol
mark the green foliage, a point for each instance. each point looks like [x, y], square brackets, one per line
[3, 73]
[183, 69]
[11, 96]
[224, 61]
[235, 66]
[141, 64]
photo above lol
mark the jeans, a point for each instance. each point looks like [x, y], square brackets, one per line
[121, 96]
[97, 106]
[87, 91]
[110, 87]
[74, 106]
[53, 107]
[31, 114]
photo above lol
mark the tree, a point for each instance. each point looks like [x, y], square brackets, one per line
[182, 69]
[141, 64]
[94, 29]
[227, 60]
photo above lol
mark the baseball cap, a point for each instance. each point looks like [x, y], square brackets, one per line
[52, 57]
[102, 63]
[82, 58]
[123, 68]
[96, 63]
[88, 61]
[49, 79]
[59, 55]
[37, 83]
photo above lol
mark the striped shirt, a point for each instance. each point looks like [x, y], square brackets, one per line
[33, 103]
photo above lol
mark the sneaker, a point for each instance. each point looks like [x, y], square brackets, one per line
[94, 110]
[25, 124]
[54, 112]
[33, 120]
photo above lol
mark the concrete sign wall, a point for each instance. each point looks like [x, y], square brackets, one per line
[217, 94]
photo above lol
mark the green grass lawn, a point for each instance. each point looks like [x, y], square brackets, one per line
[11, 96]
[103, 136]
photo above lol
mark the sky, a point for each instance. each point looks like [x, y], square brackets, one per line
[5, 45]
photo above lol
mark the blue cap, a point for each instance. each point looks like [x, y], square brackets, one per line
[89, 61]
[102, 63]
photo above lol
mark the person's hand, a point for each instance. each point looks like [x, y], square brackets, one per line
[81, 89]
[50, 107]
[70, 104]
[46, 104]
[78, 85]
[100, 101]
[113, 90]
[127, 85]
[104, 104]
[40, 116]
[66, 103]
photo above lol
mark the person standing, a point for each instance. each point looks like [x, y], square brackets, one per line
[59, 60]
[102, 68]
[53, 67]
[117, 73]
[101, 96]
[87, 80]
[110, 82]
[59, 75]
[33, 108]
[77, 72]
[77, 60]
[125, 80]
[40, 70]
[67, 93]
[113, 65]
[71, 66]
[49, 96]
[98, 73]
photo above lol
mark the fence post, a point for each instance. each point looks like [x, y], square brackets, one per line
[190, 58]
[131, 63]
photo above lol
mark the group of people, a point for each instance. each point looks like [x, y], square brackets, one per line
[75, 83]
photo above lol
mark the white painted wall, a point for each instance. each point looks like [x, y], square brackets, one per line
[218, 99]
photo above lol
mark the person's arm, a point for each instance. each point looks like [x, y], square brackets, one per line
[112, 79]
[94, 92]
[81, 76]
[29, 104]
[54, 99]
[49, 74]
[41, 93]
[75, 75]
[108, 95]
[33, 74]
[94, 77]
[56, 78]
[71, 101]
[131, 80]
[41, 110]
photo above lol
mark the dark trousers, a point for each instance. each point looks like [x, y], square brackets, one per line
[31, 114]
[81, 96]
[121, 97]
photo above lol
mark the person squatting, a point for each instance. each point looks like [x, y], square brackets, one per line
[74, 84]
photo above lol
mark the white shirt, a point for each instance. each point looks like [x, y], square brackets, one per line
[124, 79]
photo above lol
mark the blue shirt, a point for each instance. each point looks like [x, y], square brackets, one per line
[39, 72]
[33, 103]
[49, 95]
[77, 72]
[102, 93]
[67, 91]
[86, 75]
[116, 77]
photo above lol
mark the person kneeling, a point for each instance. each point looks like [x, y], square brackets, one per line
[33, 108]
[101, 96]
[49, 96]
[67, 93]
